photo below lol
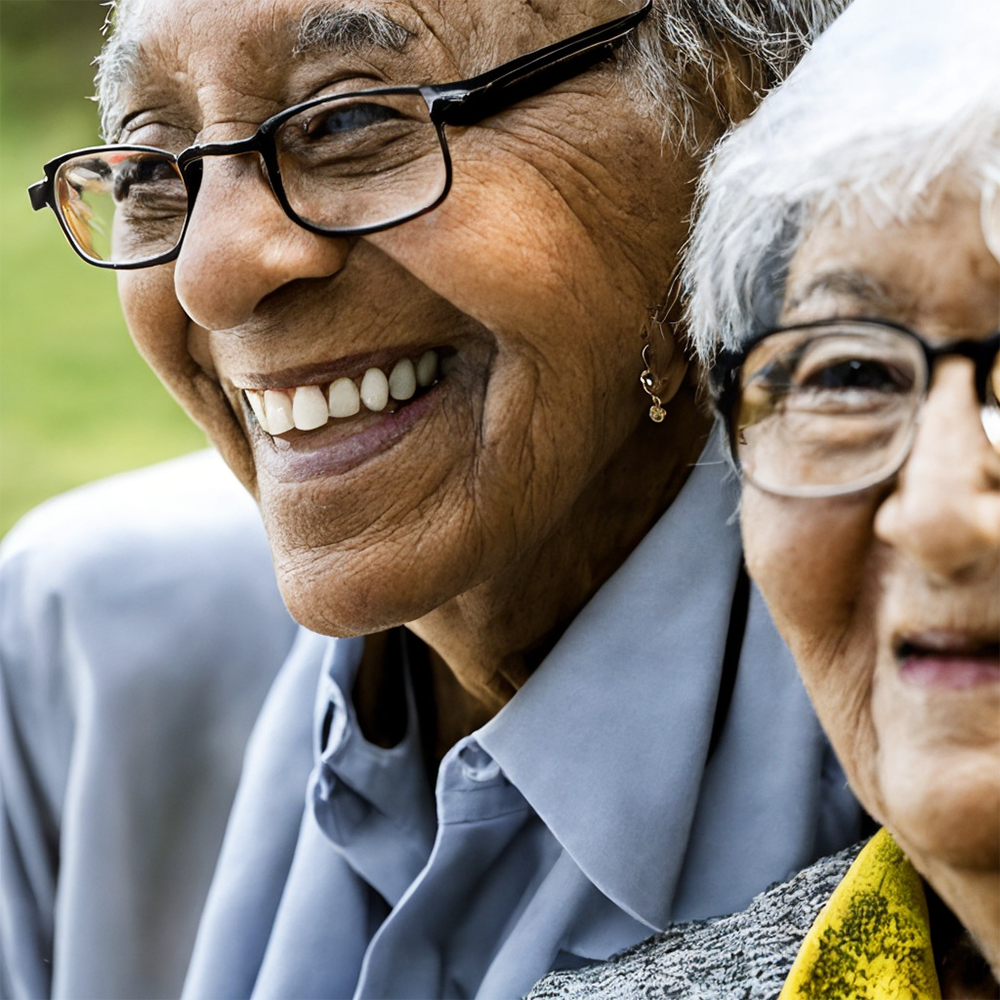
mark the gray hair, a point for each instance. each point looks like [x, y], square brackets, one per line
[684, 46]
[897, 97]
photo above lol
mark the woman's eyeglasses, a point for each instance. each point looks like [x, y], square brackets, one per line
[831, 407]
[345, 165]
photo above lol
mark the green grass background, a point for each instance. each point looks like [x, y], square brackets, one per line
[76, 401]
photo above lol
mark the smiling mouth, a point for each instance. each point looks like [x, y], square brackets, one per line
[943, 661]
[374, 390]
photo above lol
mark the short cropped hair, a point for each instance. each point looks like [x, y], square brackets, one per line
[681, 47]
[898, 96]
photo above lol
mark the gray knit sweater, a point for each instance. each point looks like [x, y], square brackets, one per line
[745, 956]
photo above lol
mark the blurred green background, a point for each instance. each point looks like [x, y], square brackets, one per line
[76, 401]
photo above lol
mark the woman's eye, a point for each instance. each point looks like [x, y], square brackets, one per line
[348, 118]
[853, 373]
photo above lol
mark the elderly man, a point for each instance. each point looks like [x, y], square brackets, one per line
[400, 259]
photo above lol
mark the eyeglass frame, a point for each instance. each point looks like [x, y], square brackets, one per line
[461, 103]
[724, 386]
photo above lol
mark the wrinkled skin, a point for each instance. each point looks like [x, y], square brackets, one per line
[850, 579]
[492, 518]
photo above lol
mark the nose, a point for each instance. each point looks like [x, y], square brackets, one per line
[240, 246]
[944, 510]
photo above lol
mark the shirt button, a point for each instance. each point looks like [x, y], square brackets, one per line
[477, 764]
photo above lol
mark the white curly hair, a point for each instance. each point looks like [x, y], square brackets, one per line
[896, 96]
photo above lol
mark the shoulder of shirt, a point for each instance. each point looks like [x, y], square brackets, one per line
[752, 949]
[164, 510]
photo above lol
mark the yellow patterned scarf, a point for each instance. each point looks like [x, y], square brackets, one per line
[871, 941]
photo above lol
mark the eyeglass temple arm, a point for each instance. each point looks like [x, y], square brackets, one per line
[480, 96]
[37, 193]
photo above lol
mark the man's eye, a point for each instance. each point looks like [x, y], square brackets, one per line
[87, 175]
[348, 118]
[154, 172]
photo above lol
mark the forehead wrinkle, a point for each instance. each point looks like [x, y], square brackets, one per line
[476, 36]
[325, 28]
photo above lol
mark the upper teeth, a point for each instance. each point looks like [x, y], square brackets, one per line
[402, 382]
[344, 398]
[375, 390]
[307, 407]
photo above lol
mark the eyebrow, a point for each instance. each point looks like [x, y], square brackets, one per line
[325, 28]
[322, 28]
[856, 285]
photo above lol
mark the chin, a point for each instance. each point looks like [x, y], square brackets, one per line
[949, 813]
[325, 606]
[348, 592]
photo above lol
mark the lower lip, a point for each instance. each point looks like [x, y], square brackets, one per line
[335, 449]
[956, 672]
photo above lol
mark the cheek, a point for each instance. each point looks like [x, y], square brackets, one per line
[809, 557]
[507, 261]
[533, 239]
[565, 312]
[156, 322]
[163, 336]
[812, 560]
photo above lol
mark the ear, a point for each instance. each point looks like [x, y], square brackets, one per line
[739, 87]
[730, 91]
[664, 356]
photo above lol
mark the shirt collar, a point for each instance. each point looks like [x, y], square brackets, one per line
[608, 739]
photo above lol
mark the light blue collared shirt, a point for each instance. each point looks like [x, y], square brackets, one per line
[593, 809]
[140, 631]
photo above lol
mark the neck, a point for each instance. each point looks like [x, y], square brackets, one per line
[972, 895]
[494, 636]
[974, 899]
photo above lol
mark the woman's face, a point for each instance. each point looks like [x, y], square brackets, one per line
[890, 598]
[530, 283]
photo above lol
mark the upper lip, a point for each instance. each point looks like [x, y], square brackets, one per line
[327, 371]
[947, 642]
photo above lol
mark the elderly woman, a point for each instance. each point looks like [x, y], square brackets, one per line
[846, 272]
[399, 260]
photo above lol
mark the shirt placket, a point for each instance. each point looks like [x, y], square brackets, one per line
[416, 952]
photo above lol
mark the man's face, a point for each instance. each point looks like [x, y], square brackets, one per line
[529, 285]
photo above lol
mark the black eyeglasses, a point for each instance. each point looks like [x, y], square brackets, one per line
[831, 407]
[345, 165]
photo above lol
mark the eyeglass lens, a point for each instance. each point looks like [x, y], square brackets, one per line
[355, 163]
[832, 409]
[348, 163]
[122, 205]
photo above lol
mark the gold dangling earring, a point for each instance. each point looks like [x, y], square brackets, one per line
[648, 382]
